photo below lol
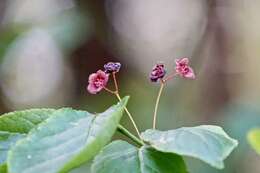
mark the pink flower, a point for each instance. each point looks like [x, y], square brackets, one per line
[183, 69]
[97, 81]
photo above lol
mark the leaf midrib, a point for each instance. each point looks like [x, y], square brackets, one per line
[141, 161]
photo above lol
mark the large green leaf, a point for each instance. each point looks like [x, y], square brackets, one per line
[254, 139]
[64, 141]
[23, 121]
[120, 156]
[84, 168]
[207, 143]
[6, 141]
[14, 126]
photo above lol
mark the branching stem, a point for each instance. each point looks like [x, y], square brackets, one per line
[128, 134]
[130, 117]
[116, 93]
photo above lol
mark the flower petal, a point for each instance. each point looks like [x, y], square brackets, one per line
[92, 89]
[190, 74]
[182, 61]
[92, 77]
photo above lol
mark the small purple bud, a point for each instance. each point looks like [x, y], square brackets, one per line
[158, 72]
[112, 67]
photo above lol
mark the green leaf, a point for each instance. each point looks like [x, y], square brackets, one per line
[23, 121]
[207, 143]
[64, 141]
[84, 168]
[14, 126]
[7, 140]
[120, 156]
[254, 139]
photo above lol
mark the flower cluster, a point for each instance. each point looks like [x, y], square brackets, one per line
[98, 81]
[182, 69]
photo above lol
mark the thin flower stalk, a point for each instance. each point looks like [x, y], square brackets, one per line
[126, 110]
[157, 104]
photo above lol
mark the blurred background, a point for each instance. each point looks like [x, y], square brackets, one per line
[49, 47]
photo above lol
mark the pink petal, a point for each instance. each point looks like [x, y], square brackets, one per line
[183, 61]
[92, 77]
[92, 89]
[103, 75]
[100, 72]
[190, 74]
[178, 69]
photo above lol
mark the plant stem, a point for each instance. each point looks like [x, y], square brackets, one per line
[130, 116]
[110, 91]
[115, 81]
[157, 104]
[125, 132]
[116, 92]
[169, 77]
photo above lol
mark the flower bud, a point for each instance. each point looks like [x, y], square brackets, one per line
[158, 72]
[112, 67]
